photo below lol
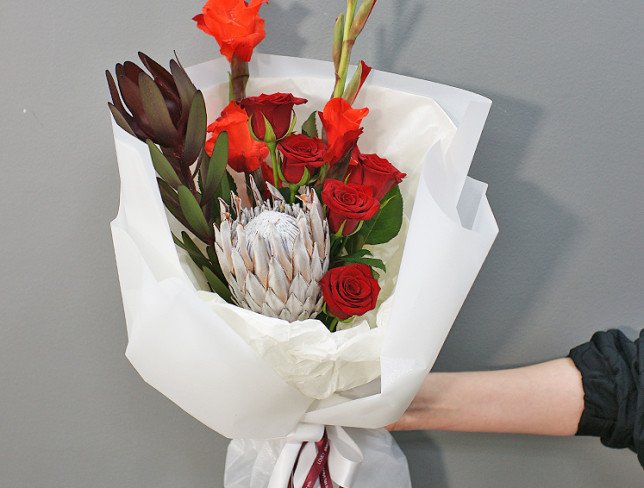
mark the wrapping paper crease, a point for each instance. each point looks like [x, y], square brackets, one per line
[249, 377]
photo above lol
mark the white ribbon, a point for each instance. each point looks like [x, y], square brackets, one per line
[344, 456]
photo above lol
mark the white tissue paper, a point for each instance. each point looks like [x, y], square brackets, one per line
[268, 384]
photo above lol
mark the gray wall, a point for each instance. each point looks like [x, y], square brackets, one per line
[562, 152]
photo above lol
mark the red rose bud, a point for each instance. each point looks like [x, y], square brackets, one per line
[377, 173]
[235, 24]
[349, 290]
[244, 153]
[300, 152]
[277, 108]
[342, 126]
[349, 204]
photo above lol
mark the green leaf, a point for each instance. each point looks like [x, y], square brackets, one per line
[163, 166]
[361, 253]
[371, 262]
[194, 215]
[185, 87]
[216, 171]
[120, 120]
[214, 262]
[191, 248]
[227, 185]
[269, 133]
[386, 224]
[171, 202]
[156, 111]
[310, 127]
[195, 130]
[216, 284]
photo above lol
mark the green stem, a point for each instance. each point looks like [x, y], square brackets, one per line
[322, 176]
[347, 45]
[333, 324]
[272, 148]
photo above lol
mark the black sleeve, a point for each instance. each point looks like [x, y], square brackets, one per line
[611, 369]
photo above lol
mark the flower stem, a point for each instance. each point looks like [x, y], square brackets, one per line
[333, 324]
[272, 148]
[238, 78]
[347, 45]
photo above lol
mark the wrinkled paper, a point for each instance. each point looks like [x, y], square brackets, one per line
[248, 376]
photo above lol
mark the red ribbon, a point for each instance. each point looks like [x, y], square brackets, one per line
[320, 467]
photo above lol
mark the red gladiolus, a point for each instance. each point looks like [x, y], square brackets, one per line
[349, 290]
[277, 108]
[235, 24]
[342, 126]
[244, 153]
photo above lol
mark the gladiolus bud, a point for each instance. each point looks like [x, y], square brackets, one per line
[338, 35]
[361, 17]
[358, 79]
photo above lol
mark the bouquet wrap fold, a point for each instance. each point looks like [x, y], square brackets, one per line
[253, 377]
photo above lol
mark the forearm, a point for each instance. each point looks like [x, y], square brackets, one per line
[545, 399]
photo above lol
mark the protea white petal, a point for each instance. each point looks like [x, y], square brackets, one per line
[274, 253]
[260, 260]
[298, 288]
[301, 259]
[277, 280]
[240, 270]
[316, 265]
[226, 244]
[280, 251]
[254, 289]
[275, 194]
[317, 230]
[272, 304]
[242, 247]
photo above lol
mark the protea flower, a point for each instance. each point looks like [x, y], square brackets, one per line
[274, 254]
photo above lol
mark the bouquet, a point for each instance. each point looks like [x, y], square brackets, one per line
[293, 246]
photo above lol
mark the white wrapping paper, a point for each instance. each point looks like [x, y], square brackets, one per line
[250, 377]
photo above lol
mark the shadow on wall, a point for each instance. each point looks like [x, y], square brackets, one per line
[390, 40]
[282, 19]
[425, 460]
[536, 234]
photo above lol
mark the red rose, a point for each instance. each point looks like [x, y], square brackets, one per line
[349, 203]
[342, 126]
[349, 290]
[300, 152]
[277, 108]
[377, 173]
[235, 24]
[244, 153]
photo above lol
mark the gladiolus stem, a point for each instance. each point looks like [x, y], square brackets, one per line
[238, 78]
[347, 46]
